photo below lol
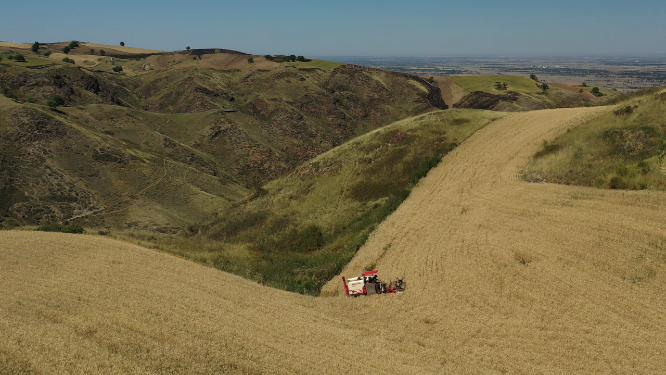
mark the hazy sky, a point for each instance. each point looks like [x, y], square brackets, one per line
[353, 28]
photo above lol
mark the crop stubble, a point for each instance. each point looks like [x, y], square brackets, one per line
[504, 276]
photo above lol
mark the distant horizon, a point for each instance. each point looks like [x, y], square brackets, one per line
[396, 55]
[350, 28]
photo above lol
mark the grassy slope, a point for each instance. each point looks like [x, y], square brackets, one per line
[285, 116]
[530, 96]
[125, 176]
[487, 83]
[30, 61]
[302, 228]
[617, 150]
[314, 64]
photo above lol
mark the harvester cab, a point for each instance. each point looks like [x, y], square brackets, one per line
[369, 283]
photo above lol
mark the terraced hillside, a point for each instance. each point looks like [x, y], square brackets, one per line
[504, 277]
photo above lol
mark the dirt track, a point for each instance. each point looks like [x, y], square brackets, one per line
[504, 276]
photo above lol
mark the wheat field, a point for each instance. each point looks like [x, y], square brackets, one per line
[504, 277]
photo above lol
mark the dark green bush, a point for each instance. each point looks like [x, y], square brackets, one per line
[55, 227]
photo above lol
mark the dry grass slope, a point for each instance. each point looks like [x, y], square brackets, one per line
[505, 277]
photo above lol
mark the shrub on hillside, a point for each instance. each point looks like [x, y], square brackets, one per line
[117, 68]
[625, 111]
[68, 60]
[6, 91]
[55, 101]
[55, 227]
[47, 54]
[548, 148]
[19, 58]
[66, 49]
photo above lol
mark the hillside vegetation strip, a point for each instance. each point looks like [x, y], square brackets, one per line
[504, 275]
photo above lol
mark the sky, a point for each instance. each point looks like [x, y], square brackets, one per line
[350, 28]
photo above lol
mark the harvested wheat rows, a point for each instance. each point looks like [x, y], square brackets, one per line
[504, 276]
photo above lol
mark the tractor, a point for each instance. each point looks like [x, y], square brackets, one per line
[369, 283]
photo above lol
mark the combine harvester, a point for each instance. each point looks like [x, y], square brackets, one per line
[369, 283]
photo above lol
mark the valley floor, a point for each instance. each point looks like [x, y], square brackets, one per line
[504, 277]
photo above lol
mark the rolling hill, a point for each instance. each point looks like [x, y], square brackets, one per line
[505, 276]
[520, 93]
[163, 149]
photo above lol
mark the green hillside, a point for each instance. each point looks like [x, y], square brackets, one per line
[301, 229]
[624, 149]
[487, 83]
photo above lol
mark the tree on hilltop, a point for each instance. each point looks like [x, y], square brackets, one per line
[187, 48]
[300, 58]
[122, 44]
[73, 44]
[35, 47]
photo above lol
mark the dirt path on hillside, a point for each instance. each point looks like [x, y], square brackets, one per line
[504, 277]
[451, 92]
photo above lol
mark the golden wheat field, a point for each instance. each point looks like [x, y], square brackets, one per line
[503, 277]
